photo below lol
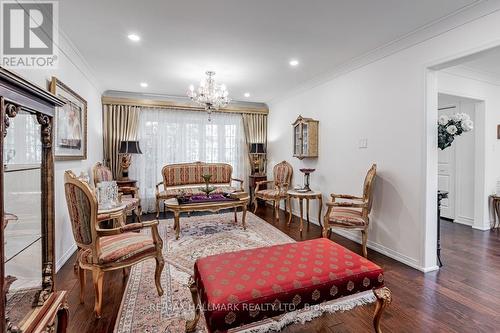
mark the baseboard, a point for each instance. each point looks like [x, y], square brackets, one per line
[61, 261]
[356, 237]
[482, 227]
[464, 220]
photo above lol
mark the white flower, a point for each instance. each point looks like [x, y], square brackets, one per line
[467, 125]
[452, 129]
[455, 117]
[443, 120]
[465, 117]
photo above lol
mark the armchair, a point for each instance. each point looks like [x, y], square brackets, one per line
[130, 194]
[102, 250]
[352, 212]
[282, 173]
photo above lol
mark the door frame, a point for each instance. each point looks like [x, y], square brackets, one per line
[430, 155]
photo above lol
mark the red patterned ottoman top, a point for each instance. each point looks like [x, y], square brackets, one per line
[243, 287]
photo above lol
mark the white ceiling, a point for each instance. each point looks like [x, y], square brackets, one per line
[248, 43]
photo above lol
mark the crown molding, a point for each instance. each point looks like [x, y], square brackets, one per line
[175, 102]
[473, 74]
[460, 17]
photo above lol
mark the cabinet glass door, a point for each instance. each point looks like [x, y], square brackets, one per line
[305, 142]
[296, 139]
[22, 223]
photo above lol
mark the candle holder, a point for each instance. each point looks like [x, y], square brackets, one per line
[307, 173]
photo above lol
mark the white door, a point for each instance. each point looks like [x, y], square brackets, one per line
[446, 173]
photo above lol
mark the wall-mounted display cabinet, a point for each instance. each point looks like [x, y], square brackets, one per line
[305, 138]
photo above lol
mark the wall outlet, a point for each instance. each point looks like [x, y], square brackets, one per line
[363, 143]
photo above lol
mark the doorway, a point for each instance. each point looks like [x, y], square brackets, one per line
[456, 169]
[470, 83]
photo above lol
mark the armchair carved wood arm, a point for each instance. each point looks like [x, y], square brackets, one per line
[282, 177]
[102, 250]
[350, 211]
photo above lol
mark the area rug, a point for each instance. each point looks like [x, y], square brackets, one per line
[202, 235]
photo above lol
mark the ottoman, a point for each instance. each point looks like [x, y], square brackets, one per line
[250, 286]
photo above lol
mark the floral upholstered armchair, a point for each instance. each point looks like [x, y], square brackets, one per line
[129, 195]
[102, 250]
[282, 173]
[352, 212]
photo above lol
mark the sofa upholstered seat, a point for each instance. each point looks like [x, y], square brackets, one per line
[187, 178]
[243, 287]
[175, 192]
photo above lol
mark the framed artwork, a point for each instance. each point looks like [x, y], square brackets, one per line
[498, 132]
[70, 124]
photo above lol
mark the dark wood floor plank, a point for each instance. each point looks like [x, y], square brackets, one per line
[462, 297]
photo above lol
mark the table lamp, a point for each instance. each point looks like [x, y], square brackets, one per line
[127, 148]
[257, 153]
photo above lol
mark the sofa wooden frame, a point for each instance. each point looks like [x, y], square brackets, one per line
[161, 198]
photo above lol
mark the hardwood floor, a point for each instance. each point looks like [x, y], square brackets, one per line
[464, 296]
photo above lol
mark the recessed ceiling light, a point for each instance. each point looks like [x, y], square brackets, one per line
[134, 37]
[247, 94]
[294, 62]
[144, 84]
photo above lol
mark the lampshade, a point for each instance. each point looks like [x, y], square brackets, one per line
[129, 147]
[257, 148]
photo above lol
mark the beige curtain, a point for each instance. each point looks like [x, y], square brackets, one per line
[120, 122]
[255, 128]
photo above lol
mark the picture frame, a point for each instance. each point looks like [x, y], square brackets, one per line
[498, 132]
[70, 123]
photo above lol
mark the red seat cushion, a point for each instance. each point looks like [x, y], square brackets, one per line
[238, 288]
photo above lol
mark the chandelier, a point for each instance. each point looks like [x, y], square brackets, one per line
[209, 94]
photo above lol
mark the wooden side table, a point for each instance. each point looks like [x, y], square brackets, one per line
[129, 187]
[495, 201]
[253, 179]
[441, 195]
[115, 214]
[311, 195]
[124, 185]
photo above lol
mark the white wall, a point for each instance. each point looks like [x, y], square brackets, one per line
[74, 72]
[384, 102]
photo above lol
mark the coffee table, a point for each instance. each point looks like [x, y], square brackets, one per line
[174, 206]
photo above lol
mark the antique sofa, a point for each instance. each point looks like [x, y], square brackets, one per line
[186, 178]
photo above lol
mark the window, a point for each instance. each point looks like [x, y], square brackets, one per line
[174, 136]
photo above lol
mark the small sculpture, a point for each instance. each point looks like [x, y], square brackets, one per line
[207, 189]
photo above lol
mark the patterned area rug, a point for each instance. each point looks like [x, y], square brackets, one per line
[143, 311]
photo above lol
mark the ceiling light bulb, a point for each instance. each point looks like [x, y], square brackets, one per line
[294, 62]
[247, 94]
[144, 84]
[134, 37]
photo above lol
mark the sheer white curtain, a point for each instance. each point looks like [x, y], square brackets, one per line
[177, 136]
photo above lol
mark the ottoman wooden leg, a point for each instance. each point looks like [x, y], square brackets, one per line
[191, 324]
[384, 298]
